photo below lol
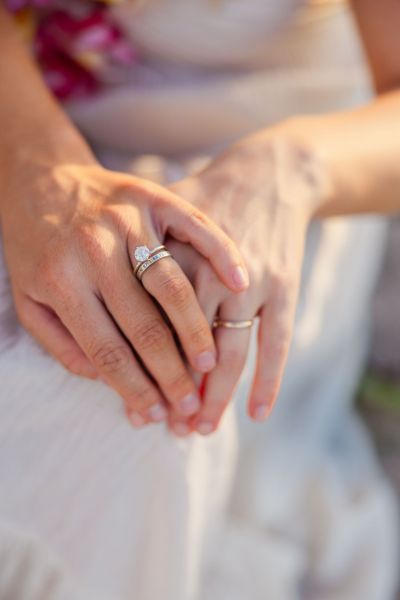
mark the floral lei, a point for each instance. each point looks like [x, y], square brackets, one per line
[76, 43]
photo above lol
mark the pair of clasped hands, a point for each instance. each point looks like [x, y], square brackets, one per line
[236, 231]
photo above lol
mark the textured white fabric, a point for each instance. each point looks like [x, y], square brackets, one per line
[312, 515]
[121, 512]
[105, 511]
[178, 107]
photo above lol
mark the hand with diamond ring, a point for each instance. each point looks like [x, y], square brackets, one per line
[70, 233]
[70, 229]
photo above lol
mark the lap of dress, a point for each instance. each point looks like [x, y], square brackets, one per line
[125, 513]
[87, 501]
[312, 515]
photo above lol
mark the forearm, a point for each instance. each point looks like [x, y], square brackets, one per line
[359, 153]
[35, 131]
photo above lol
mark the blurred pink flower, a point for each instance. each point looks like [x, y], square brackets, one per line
[75, 43]
[15, 5]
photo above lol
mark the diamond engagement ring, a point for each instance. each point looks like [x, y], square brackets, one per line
[232, 324]
[146, 258]
[143, 252]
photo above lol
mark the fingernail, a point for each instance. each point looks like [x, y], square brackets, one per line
[190, 404]
[137, 420]
[240, 277]
[206, 361]
[157, 413]
[181, 429]
[260, 413]
[205, 428]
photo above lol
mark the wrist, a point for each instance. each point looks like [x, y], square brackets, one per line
[39, 151]
[46, 146]
[316, 169]
[301, 172]
[36, 134]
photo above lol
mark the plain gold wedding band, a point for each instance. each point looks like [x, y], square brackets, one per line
[233, 324]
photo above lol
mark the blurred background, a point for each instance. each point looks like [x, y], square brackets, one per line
[379, 397]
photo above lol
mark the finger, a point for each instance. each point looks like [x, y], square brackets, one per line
[210, 294]
[47, 329]
[178, 425]
[208, 288]
[274, 337]
[186, 223]
[220, 384]
[168, 284]
[96, 333]
[143, 325]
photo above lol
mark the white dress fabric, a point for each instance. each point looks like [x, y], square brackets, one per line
[294, 509]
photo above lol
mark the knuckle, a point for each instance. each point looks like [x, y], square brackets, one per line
[278, 280]
[283, 281]
[120, 219]
[55, 278]
[231, 359]
[227, 245]
[91, 244]
[142, 397]
[200, 336]
[51, 272]
[176, 291]
[110, 357]
[151, 335]
[197, 219]
[177, 381]
[151, 191]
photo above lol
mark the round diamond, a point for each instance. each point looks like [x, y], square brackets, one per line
[142, 253]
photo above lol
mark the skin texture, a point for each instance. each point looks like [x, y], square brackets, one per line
[267, 189]
[269, 186]
[264, 192]
[69, 229]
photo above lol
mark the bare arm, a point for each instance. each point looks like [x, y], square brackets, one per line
[69, 229]
[270, 186]
[360, 149]
[34, 128]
